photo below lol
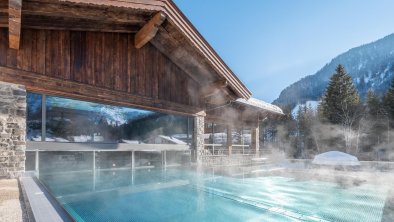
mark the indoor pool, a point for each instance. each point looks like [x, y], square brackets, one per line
[184, 195]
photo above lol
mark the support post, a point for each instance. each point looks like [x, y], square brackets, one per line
[132, 167]
[229, 139]
[37, 164]
[94, 170]
[198, 138]
[43, 117]
[132, 160]
[255, 140]
[164, 159]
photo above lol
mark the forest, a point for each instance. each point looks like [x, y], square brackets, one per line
[342, 121]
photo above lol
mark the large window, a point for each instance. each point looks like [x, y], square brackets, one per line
[215, 139]
[69, 120]
[242, 138]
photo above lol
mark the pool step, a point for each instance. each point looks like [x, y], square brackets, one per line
[272, 209]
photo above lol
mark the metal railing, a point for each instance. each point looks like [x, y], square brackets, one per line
[222, 150]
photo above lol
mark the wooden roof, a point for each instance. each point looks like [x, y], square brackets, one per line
[158, 21]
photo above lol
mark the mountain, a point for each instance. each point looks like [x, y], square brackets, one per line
[371, 67]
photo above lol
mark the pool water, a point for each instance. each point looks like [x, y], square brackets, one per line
[185, 195]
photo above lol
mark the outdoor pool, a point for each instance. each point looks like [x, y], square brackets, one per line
[187, 195]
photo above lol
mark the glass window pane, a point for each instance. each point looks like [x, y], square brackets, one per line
[34, 117]
[71, 120]
[247, 136]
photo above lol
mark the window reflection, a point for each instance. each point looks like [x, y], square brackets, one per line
[215, 139]
[241, 140]
[34, 117]
[69, 120]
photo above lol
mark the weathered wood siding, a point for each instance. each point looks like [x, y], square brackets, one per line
[105, 60]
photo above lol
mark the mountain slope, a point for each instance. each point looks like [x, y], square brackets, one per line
[370, 65]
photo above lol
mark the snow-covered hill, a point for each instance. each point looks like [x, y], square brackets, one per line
[371, 66]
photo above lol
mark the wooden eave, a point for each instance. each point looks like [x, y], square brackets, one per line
[176, 37]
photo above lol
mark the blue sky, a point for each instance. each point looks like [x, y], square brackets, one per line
[270, 44]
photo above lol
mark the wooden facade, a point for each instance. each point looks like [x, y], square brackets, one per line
[108, 61]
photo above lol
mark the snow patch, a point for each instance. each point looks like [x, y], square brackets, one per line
[309, 103]
[336, 158]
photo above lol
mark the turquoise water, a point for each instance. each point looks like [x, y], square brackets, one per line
[184, 195]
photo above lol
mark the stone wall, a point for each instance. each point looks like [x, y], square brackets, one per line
[12, 130]
[198, 139]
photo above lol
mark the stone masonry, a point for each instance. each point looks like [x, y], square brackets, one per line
[12, 130]
[198, 137]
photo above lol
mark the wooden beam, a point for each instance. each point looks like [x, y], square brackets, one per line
[14, 23]
[97, 14]
[4, 13]
[60, 87]
[76, 24]
[149, 30]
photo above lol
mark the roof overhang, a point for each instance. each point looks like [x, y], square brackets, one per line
[260, 106]
[175, 36]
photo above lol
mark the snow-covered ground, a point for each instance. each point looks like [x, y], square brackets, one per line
[309, 103]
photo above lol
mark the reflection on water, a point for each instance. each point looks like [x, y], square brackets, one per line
[210, 195]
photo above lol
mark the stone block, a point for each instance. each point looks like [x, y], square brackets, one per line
[12, 129]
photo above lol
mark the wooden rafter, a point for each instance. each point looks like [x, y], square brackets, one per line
[14, 23]
[149, 30]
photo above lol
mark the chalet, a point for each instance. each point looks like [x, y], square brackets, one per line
[80, 75]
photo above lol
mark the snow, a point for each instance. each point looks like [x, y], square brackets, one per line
[62, 140]
[336, 158]
[256, 103]
[360, 65]
[82, 138]
[131, 141]
[309, 103]
[180, 136]
[172, 140]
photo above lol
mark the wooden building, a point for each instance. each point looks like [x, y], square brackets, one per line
[135, 53]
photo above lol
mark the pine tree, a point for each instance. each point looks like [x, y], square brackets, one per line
[375, 123]
[306, 144]
[389, 101]
[340, 105]
[374, 105]
[341, 100]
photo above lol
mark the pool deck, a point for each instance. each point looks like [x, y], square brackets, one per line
[388, 211]
[11, 204]
[44, 207]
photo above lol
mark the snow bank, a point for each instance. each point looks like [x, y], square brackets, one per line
[336, 158]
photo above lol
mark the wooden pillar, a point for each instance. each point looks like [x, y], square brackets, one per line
[14, 23]
[198, 138]
[229, 139]
[255, 139]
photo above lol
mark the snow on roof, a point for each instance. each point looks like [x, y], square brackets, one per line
[172, 140]
[336, 158]
[256, 103]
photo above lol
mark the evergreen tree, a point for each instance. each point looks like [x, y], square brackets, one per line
[389, 101]
[373, 105]
[305, 145]
[341, 106]
[341, 101]
[375, 123]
